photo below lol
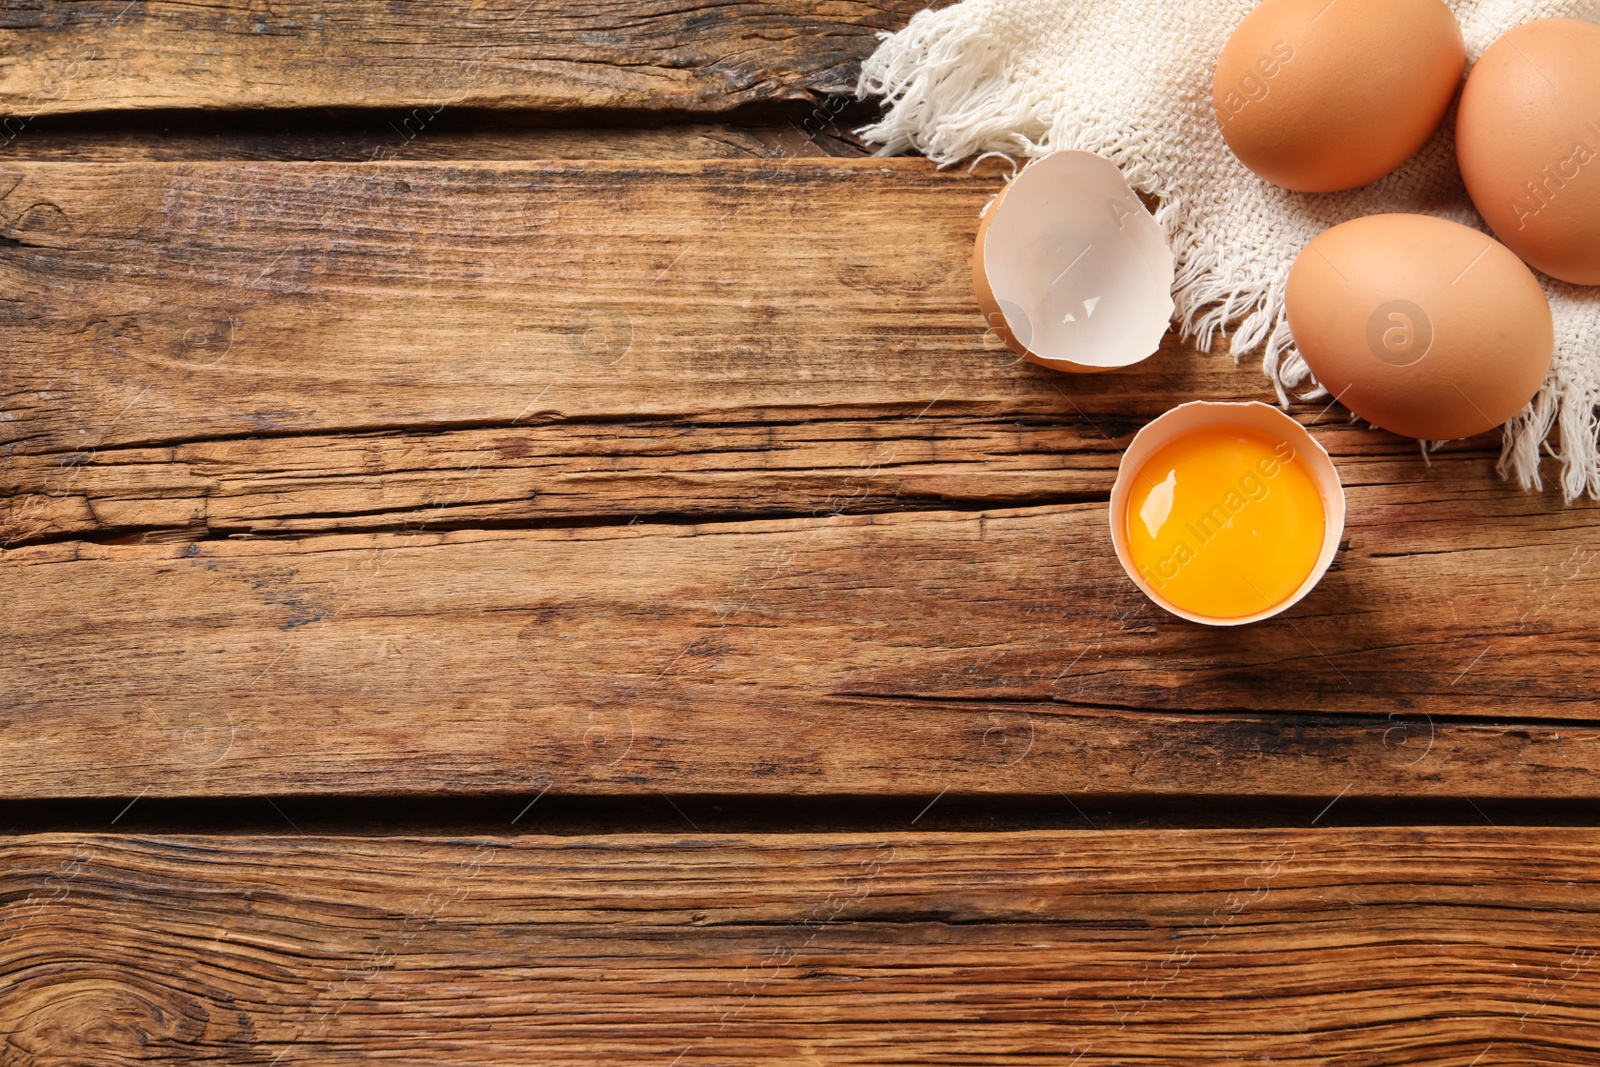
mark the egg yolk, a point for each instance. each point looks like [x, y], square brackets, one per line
[1225, 522]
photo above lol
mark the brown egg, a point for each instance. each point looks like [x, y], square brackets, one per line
[1420, 325]
[1528, 140]
[1317, 96]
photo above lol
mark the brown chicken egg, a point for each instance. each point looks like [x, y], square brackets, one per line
[1317, 96]
[1422, 326]
[1528, 140]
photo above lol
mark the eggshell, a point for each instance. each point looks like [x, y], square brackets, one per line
[1198, 415]
[1317, 96]
[1420, 325]
[1528, 140]
[1071, 270]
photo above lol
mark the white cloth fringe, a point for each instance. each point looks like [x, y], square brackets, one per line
[1131, 80]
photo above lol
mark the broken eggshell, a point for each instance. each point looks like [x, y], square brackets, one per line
[1071, 270]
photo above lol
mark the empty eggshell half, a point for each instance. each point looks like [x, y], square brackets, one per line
[1071, 270]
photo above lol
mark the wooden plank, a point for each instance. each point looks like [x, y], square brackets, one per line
[555, 470]
[414, 60]
[986, 652]
[1439, 947]
[157, 303]
[660, 470]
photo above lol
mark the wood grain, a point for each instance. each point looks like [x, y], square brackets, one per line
[566, 472]
[556, 464]
[418, 60]
[557, 470]
[1308, 948]
[660, 467]
[158, 303]
[990, 652]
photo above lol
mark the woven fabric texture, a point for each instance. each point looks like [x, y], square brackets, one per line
[1131, 80]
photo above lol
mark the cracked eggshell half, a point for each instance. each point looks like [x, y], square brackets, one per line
[1071, 270]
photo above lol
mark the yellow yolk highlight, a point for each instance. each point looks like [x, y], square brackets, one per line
[1225, 522]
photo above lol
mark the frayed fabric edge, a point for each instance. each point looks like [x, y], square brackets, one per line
[949, 94]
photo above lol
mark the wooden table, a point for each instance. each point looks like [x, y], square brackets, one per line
[519, 549]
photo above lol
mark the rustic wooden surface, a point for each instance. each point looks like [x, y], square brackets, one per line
[113, 55]
[430, 492]
[1305, 948]
[615, 430]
